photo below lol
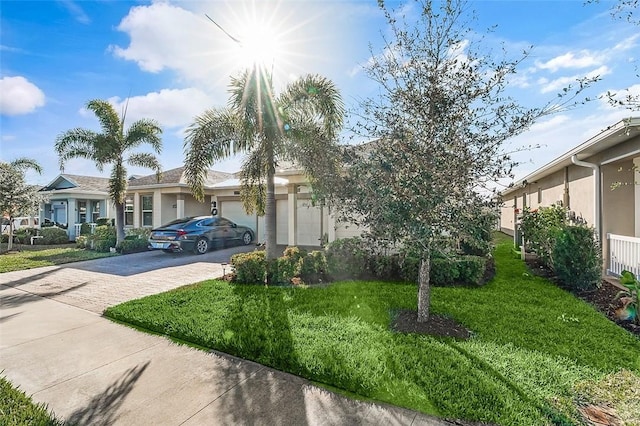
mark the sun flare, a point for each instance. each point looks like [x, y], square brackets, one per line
[259, 44]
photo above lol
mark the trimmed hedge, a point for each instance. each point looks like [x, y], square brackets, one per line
[53, 235]
[137, 240]
[104, 238]
[346, 258]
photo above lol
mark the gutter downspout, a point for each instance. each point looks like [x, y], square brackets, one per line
[597, 193]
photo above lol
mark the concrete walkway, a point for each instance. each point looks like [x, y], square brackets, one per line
[56, 347]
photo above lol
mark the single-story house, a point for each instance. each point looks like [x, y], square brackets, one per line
[585, 180]
[151, 203]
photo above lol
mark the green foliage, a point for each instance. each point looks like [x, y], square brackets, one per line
[82, 241]
[476, 235]
[314, 267]
[27, 259]
[135, 241]
[521, 362]
[384, 267]
[104, 237]
[577, 258]
[53, 235]
[632, 305]
[85, 229]
[346, 258]
[16, 408]
[540, 228]
[104, 221]
[250, 268]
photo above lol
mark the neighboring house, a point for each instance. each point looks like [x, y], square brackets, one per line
[151, 203]
[582, 181]
[74, 199]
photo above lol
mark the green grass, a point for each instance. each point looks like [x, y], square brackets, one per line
[28, 259]
[533, 343]
[16, 408]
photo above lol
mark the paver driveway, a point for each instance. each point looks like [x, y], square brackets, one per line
[96, 284]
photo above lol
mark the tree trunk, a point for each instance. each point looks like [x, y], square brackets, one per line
[424, 288]
[10, 239]
[270, 208]
[119, 223]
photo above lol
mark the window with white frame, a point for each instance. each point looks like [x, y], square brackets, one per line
[128, 211]
[147, 210]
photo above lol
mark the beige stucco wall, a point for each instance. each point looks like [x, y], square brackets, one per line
[618, 215]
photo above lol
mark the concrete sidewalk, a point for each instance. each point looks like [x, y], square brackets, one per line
[91, 371]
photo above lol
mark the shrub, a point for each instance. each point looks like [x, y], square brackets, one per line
[82, 241]
[577, 258]
[85, 229]
[135, 241]
[104, 238]
[53, 235]
[477, 238]
[447, 271]
[384, 267]
[314, 267]
[346, 258]
[105, 221]
[540, 229]
[250, 268]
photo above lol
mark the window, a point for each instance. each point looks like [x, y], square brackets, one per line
[128, 211]
[147, 210]
[95, 212]
[82, 211]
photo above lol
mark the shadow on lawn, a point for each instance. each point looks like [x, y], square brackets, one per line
[261, 319]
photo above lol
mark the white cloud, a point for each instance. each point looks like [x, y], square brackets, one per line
[562, 82]
[170, 107]
[582, 59]
[19, 96]
[75, 10]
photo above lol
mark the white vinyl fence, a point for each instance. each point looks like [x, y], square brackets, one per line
[624, 253]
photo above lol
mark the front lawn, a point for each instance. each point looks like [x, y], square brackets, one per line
[16, 408]
[533, 343]
[27, 259]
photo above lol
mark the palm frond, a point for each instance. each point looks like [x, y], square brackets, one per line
[24, 163]
[146, 160]
[77, 143]
[213, 136]
[143, 131]
[109, 120]
[314, 96]
[253, 190]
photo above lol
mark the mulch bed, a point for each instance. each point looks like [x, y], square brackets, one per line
[406, 321]
[602, 298]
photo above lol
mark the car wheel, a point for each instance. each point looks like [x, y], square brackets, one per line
[247, 238]
[201, 246]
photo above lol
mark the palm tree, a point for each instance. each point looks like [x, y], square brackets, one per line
[300, 125]
[112, 147]
[16, 196]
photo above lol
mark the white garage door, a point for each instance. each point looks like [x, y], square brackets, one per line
[234, 211]
[309, 229]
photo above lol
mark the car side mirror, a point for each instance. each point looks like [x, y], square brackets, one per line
[233, 225]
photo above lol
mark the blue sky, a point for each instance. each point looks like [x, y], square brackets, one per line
[172, 64]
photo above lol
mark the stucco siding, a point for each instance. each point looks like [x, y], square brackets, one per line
[618, 204]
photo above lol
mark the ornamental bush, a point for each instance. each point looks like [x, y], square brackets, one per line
[314, 268]
[104, 237]
[53, 235]
[346, 258]
[540, 228]
[250, 268]
[577, 258]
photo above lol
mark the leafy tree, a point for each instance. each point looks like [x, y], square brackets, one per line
[299, 125]
[112, 147]
[439, 126]
[16, 197]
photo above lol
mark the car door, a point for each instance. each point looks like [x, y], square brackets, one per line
[226, 229]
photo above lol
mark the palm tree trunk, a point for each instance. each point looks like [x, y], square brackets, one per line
[424, 288]
[270, 209]
[119, 223]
